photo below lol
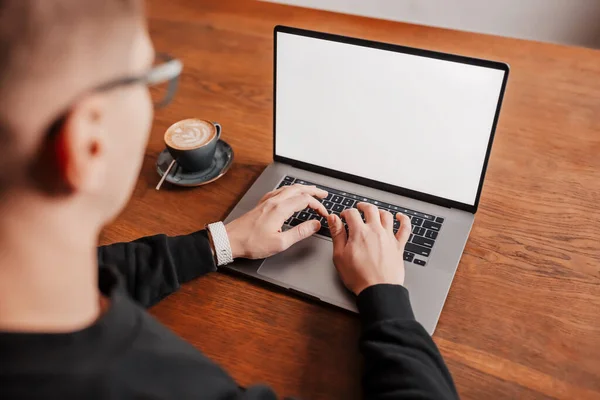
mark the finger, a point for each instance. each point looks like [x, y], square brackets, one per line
[300, 202]
[294, 190]
[298, 233]
[371, 213]
[386, 220]
[353, 219]
[338, 232]
[316, 192]
[270, 194]
[404, 231]
[277, 192]
[317, 206]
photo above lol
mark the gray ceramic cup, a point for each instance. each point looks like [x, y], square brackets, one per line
[196, 158]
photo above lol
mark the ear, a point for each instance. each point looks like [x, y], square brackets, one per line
[80, 146]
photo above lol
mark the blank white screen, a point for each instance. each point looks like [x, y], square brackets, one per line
[409, 121]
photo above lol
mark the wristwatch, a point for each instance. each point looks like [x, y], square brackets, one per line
[220, 240]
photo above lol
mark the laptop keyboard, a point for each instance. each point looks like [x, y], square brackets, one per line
[425, 227]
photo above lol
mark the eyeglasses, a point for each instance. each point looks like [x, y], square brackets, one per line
[162, 80]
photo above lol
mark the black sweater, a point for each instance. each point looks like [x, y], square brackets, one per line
[127, 354]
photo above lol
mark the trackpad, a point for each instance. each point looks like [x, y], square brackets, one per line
[308, 267]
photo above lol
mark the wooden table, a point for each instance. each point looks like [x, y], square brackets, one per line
[522, 319]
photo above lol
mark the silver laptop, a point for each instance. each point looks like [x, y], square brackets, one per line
[406, 129]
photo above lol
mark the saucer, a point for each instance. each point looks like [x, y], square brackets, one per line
[220, 165]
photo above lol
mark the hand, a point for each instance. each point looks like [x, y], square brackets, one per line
[370, 254]
[257, 234]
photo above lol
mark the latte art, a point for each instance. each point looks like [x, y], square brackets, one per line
[190, 134]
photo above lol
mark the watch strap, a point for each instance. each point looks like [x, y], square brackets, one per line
[220, 240]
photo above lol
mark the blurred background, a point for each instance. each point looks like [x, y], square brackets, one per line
[572, 22]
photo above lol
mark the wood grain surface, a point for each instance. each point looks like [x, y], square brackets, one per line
[522, 319]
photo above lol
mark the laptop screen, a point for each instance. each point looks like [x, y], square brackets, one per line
[411, 121]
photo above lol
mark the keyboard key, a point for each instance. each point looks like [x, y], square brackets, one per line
[424, 216]
[385, 205]
[338, 208]
[431, 234]
[417, 230]
[414, 248]
[295, 221]
[424, 230]
[287, 221]
[423, 241]
[408, 256]
[434, 226]
[419, 262]
[304, 216]
[348, 202]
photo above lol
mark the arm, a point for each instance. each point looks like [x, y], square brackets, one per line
[401, 359]
[156, 266]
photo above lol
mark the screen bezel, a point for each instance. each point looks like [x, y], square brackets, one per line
[398, 49]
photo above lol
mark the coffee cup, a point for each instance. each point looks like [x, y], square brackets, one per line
[192, 143]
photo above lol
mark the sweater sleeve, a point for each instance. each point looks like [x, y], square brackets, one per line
[156, 266]
[401, 359]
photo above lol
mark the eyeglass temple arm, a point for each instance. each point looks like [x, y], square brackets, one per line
[164, 72]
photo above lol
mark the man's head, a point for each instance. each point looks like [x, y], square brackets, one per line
[61, 141]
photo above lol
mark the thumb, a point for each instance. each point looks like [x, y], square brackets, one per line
[300, 232]
[338, 232]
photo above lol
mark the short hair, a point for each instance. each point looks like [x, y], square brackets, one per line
[39, 39]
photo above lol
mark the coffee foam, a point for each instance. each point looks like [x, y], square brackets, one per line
[190, 134]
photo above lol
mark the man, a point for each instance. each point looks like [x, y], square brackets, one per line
[73, 126]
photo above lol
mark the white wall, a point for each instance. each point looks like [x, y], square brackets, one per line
[575, 22]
